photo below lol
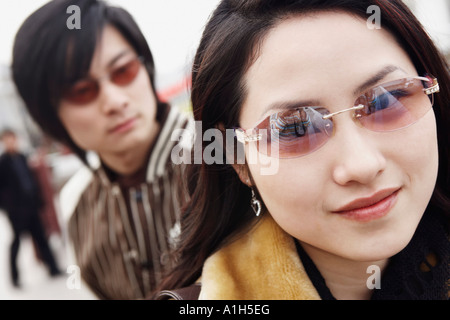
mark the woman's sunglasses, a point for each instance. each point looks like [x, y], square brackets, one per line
[387, 107]
[87, 90]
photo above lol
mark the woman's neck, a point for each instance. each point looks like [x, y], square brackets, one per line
[346, 279]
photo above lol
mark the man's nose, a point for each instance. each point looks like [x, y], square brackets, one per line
[112, 97]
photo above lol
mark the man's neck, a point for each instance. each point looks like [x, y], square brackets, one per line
[126, 163]
[129, 161]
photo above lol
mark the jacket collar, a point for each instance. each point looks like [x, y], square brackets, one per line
[261, 265]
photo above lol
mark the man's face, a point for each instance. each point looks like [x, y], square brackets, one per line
[122, 117]
[9, 141]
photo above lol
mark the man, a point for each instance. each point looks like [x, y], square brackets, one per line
[21, 199]
[93, 89]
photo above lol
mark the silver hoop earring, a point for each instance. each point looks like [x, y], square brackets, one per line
[255, 204]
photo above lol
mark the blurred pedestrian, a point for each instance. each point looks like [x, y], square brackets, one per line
[21, 198]
[92, 88]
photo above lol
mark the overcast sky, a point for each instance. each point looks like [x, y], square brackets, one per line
[172, 27]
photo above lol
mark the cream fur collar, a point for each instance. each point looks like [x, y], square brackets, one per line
[261, 265]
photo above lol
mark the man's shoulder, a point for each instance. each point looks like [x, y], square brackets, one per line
[73, 190]
[160, 159]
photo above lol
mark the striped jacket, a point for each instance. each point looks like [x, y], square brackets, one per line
[121, 230]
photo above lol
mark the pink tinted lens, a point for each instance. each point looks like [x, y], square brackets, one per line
[87, 90]
[127, 73]
[82, 92]
[294, 133]
[394, 105]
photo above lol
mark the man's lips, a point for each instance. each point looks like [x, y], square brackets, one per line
[370, 208]
[123, 125]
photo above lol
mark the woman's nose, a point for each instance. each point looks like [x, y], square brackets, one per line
[358, 157]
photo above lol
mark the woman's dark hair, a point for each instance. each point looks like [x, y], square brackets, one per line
[219, 209]
[47, 55]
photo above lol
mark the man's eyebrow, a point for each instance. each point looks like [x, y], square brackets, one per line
[117, 57]
[380, 75]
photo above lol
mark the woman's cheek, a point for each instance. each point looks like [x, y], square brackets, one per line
[290, 193]
[414, 150]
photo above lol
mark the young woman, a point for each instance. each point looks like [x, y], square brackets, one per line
[93, 89]
[358, 206]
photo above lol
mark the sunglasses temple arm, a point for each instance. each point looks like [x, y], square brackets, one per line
[328, 116]
[433, 89]
[243, 137]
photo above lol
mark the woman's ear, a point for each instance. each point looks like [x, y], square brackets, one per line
[243, 173]
[240, 168]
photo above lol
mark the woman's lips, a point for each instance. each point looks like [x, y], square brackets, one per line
[370, 208]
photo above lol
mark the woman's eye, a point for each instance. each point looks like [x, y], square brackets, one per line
[289, 124]
[385, 100]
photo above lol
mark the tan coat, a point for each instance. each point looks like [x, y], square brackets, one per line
[261, 265]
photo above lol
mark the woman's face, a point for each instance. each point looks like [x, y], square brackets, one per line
[121, 117]
[325, 58]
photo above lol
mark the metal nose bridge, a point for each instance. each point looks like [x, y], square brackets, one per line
[328, 116]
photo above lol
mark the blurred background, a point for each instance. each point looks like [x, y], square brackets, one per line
[173, 29]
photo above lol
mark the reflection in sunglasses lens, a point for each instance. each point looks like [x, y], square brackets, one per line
[294, 132]
[394, 106]
[388, 107]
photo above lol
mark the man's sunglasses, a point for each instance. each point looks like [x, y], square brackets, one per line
[300, 131]
[87, 90]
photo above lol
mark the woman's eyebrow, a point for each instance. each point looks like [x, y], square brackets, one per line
[380, 75]
[286, 105]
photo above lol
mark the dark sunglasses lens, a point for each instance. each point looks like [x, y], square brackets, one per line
[86, 91]
[394, 105]
[294, 133]
[82, 92]
[126, 74]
